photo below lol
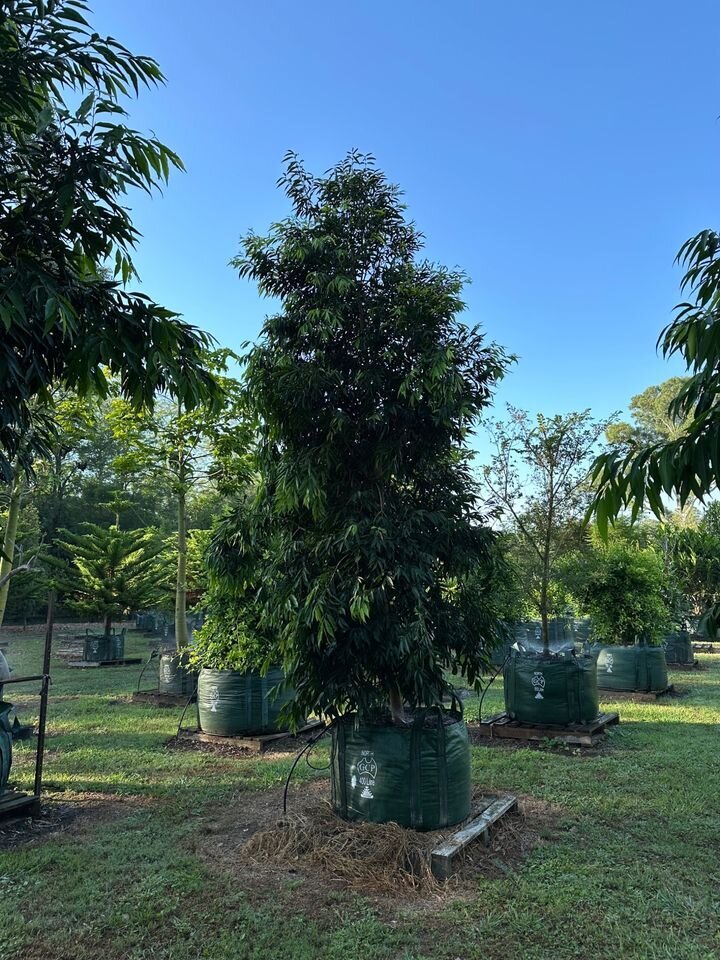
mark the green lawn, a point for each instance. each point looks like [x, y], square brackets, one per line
[629, 866]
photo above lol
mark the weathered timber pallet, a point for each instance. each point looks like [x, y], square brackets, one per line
[87, 664]
[704, 648]
[157, 699]
[637, 696]
[574, 734]
[258, 743]
[14, 802]
[444, 860]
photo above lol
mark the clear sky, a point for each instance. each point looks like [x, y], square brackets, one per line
[558, 152]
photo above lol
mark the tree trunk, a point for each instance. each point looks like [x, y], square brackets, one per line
[8, 546]
[396, 707]
[108, 624]
[546, 563]
[181, 634]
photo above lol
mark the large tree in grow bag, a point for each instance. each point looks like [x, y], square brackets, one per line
[239, 690]
[367, 386]
[625, 596]
[539, 475]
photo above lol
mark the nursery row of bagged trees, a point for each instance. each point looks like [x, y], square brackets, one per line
[354, 549]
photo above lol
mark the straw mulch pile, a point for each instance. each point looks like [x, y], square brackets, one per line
[376, 856]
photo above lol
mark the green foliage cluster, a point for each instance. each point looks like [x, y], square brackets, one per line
[227, 639]
[233, 636]
[623, 593]
[367, 386]
[685, 465]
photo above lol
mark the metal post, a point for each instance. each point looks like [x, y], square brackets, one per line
[44, 698]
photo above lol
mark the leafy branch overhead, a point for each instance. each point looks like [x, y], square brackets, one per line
[686, 465]
[65, 173]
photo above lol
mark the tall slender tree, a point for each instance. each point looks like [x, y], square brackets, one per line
[539, 476]
[184, 450]
[367, 385]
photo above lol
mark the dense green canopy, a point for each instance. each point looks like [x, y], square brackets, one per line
[367, 385]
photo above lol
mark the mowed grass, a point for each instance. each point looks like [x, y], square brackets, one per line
[630, 868]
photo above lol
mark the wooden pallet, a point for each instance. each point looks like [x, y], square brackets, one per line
[637, 696]
[444, 860]
[87, 664]
[259, 743]
[14, 802]
[574, 734]
[157, 699]
[703, 648]
[695, 665]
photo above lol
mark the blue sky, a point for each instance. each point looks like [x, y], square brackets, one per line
[558, 152]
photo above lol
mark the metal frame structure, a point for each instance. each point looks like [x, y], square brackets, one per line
[12, 801]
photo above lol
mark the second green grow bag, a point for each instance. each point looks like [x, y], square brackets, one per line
[555, 689]
[679, 648]
[641, 668]
[5, 743]
[175, 677]
[232, 703]
[117, 646]
[417, 775]
[96, 647]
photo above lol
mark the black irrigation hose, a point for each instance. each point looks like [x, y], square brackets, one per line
[153, 655]
[490, 682]
[304, 752]
[182, 715]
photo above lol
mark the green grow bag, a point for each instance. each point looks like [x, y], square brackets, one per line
[551, 688]
[417, 776]
[679, 648]
[5, 743]
[117, 646]
[97, 647]
[175, 677]
[641, 667]
[232, 703]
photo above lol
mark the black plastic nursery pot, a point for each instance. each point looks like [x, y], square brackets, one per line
[232, 703]
[175, 677]
[416, 775]
[679, 648]
[556, 689]
[640, 668]
[97, 647]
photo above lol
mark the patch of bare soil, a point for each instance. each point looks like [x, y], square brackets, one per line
[224, 747]
[311, 858]
[60, 816]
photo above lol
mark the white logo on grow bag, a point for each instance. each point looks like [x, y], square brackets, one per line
[609, 663]
[167, 672]
[538, 682]
[367, 773]
[214, 699]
